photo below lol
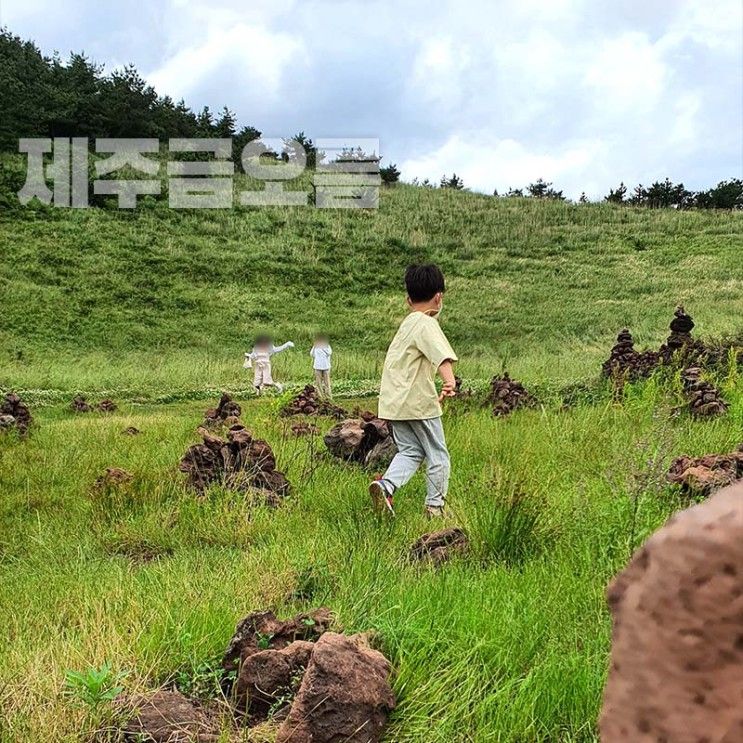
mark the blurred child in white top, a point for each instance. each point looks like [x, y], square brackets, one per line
[321, 353]
[260, 359]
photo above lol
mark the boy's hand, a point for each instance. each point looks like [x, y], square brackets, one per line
[448, 389]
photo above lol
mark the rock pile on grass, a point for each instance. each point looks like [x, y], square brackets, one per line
[113, 477]
[439, 546]
[676, 673]
[80, 405]
[14, 414]
[309, 402]
[365, 440]
[679, 342]
[331, 686]
[240, 462]
[626, 363]
[324, 687]
[226, 414]
[507, 395]
[704, 475]
[303, 428]
[705, 400]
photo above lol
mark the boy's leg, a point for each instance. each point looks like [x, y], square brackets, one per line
[257, 378]
[319, 382]
[326, 380]
[409, 455]
[430, 434]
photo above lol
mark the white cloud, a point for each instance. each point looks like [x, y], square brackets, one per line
[628, 73]
[258, 58]
[485, 163]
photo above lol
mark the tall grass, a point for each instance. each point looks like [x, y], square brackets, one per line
[508, 644]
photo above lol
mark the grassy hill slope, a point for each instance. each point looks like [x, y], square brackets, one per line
[167, 300]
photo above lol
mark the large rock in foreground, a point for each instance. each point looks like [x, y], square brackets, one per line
[677, 650]
[345, 694]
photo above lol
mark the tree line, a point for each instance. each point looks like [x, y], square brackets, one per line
[43, 96]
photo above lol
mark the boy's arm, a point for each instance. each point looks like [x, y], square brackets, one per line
[282, 347]
[446, 372]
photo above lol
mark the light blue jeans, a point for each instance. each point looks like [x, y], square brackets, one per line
[418, 440]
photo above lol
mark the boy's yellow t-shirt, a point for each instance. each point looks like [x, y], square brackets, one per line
[418, 349]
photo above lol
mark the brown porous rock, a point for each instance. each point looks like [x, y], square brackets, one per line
[240, 463]
[703, 475]
[439, 546]
[705, 400]
[106, 406]
[680, 344]
[80, 405]
[676, 670]
[507, 395]
[226, 414]
[167, 717]
[309, 402]
[627, 364]
[262, 630]
[367, 442]
[345, 694]
[113, 477]
[303, 428]
[14, 413]
[269, 679]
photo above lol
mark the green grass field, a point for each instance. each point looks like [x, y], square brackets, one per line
[163, 302]
[509, 644]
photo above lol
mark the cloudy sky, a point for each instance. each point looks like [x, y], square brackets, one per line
[584, 93]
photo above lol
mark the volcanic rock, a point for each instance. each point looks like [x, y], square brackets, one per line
[704, 475]
[345, 694]
[677, 644]
[168, 717]
[269, 677]
[507, 395]
[226, 414]
[705, 400]
[106, 406]
[80, 405]
[309, 402]
[680, 344]
[262, 630]
[439, 546]
[14, 413]
[113, 477]
[367, 442]
[625, 363]
[303, 428]
[240, 462]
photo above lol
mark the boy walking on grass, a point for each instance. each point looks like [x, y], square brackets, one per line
[408, 398]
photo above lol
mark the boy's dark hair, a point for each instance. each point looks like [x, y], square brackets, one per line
[262, 340]
[424, 282]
